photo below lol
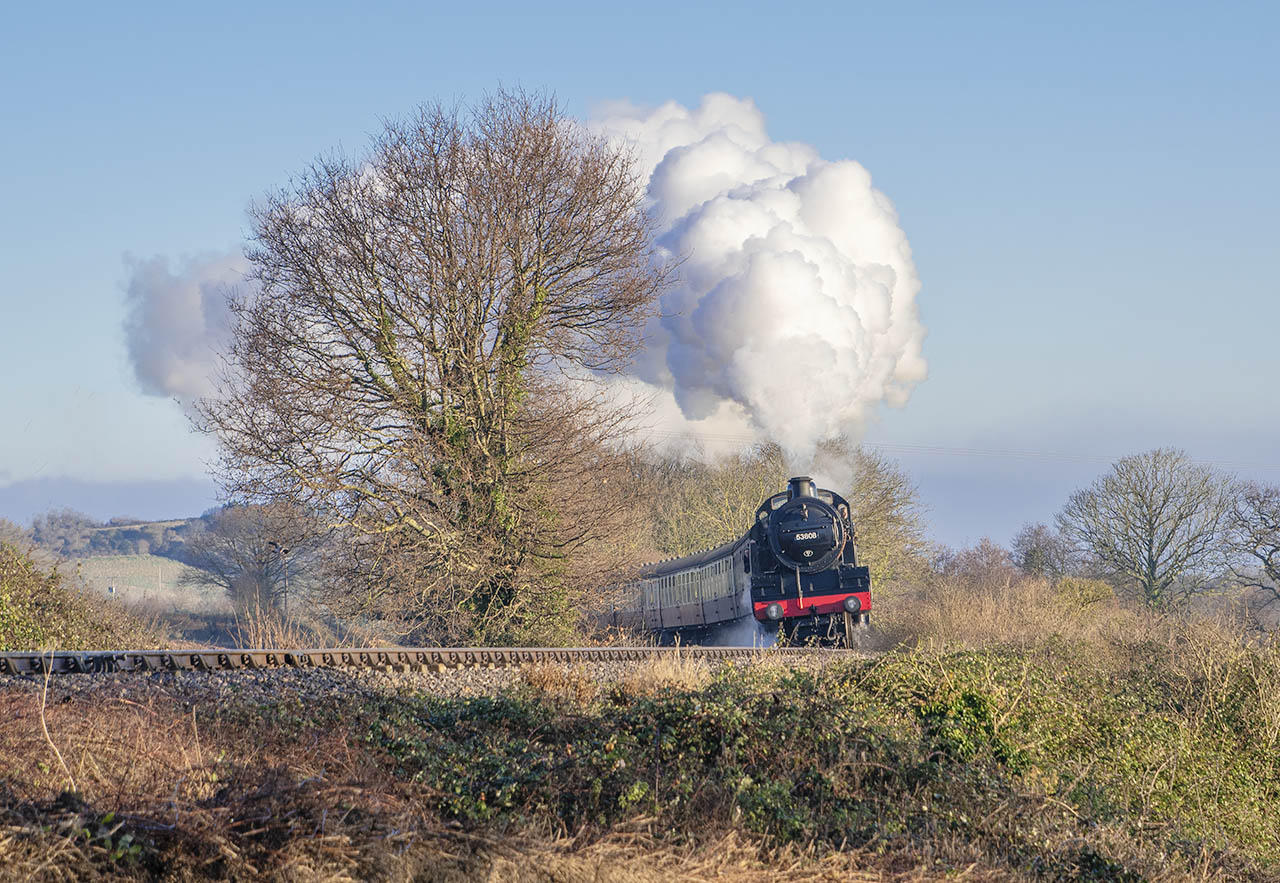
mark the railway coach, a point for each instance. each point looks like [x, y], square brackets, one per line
[795, 571]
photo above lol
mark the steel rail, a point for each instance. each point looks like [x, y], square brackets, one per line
[34, 662]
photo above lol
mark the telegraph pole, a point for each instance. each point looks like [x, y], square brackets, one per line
[284, 563]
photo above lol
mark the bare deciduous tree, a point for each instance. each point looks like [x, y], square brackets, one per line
[1039, 550]
[1253, 540]
[413, 365]
[888, 517]
[1154, 522]
[700, 505]
[251, 553]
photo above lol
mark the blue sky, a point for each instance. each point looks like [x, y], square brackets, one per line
[1090, 191]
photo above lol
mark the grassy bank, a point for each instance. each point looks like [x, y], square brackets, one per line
[1017, 729]
[989, 763]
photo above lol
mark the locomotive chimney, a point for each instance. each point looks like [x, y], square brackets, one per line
[800, 486]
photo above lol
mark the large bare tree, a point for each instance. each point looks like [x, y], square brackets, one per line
[1253, 540]
[414, 365]
[1154, 522]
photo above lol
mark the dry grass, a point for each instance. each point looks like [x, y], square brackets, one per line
[300, 628]
[669, 671]
[1005, 608]
[263, 627]
[555, 682]
[215, 801]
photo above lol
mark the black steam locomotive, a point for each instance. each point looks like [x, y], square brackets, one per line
[795, 571]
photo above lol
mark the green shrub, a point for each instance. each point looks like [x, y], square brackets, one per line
[38, 610]
[1025, 756]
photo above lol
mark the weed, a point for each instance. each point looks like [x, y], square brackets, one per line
[558, 683]
[669, 671]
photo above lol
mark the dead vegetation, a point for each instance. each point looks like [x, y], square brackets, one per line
[670, 671]
[556, 682]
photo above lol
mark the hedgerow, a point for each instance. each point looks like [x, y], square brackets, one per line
[1037, 761]
[41, 610]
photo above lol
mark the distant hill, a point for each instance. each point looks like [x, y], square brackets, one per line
[151, 500]
[71, 534]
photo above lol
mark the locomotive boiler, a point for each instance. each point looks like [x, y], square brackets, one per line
[795, 572]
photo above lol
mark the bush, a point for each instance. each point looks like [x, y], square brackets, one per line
[1050, 761]
[39, 610]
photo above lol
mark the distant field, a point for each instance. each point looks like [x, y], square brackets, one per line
[151, 581]
[173, 522]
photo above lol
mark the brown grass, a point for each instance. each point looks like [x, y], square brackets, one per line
[669, 671]
[555, 682]
[1005, 608]
[263, 627]
[217, 800]
[266, 627]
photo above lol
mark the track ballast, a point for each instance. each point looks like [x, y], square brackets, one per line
[33, 662]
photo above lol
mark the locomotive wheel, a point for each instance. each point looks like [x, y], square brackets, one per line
[849, 632]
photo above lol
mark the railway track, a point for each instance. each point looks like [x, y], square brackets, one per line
[393, 658]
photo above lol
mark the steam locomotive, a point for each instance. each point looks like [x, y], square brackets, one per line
[795, 572]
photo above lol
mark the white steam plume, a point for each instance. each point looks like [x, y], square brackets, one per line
[179, 324]
[794, 319]
[795, 315]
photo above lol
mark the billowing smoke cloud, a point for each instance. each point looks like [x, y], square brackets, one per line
[796, 315]
[178, 324]
[794, 319]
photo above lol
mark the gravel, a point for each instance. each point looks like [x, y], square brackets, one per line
[270, 686]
